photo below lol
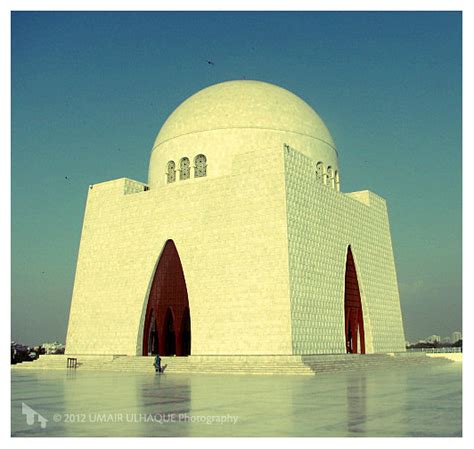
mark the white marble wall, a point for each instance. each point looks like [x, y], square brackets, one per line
[322, 223]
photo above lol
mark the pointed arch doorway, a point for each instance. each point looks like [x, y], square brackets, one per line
[169, 334]
[186, 333]
[354, 322]
[167, 329]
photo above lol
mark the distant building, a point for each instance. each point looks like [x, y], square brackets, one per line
[456, 336]
[433, 339]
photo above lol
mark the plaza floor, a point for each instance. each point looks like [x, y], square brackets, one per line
[411, 401]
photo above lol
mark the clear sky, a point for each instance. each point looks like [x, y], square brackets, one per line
[90, 92]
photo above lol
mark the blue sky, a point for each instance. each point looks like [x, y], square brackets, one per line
[91, 90]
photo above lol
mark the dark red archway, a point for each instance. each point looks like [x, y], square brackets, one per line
[186, 333]
[167, 328]
[354, 322]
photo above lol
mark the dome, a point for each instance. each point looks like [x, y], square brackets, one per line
[218, 125]
[244, 104]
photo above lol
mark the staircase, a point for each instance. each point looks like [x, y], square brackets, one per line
[250, 364]
[237, 365]
[345, 362]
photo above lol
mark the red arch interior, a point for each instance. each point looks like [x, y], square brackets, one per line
[354, 323]
[168, 306]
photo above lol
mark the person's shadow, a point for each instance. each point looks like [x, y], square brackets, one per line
[162, 369]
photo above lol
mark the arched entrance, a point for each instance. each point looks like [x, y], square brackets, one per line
[152, 343]
[354, 323]
[167, 308]
[170, 334]
[186, 333]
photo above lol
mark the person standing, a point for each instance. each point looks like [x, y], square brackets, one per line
[157, 363]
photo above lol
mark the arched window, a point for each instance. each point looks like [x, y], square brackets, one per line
[171, 173]
[200, 166]
[330, 177]
[320, 172]
[184, 168]
[336, 177]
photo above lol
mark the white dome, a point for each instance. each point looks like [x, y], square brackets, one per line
[244, 104]
[234, 117]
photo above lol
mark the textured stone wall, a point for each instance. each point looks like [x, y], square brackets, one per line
[231, 236]
[248, 242]
[322, 223]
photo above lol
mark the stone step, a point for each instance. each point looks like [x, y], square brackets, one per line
[298, 365]
[204, 362]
